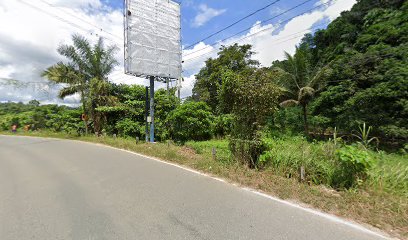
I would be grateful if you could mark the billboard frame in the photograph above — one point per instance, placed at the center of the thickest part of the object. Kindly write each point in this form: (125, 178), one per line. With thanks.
(149, 114)
(161, 79)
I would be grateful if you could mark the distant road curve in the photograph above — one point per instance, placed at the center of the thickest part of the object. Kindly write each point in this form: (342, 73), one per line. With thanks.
(58, 189)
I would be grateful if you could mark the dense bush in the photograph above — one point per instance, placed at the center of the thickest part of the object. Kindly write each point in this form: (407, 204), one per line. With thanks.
(368, 52)
(223, 125)
(52, 117)
(191, 121)
(246, 152)
(353, 165)
(128, 128)
(324, 162)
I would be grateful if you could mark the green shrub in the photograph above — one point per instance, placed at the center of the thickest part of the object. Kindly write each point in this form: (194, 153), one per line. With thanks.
(247, 152)
(190, 121)
(286, 120)
(353, 165)
(223, 125)
(128, 128)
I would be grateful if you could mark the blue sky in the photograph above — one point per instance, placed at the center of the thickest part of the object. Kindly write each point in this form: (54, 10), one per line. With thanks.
(228, 12)
(233, 10)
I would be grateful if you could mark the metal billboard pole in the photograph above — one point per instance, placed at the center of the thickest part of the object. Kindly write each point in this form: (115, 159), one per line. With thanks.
(147, 114)
(152, 109)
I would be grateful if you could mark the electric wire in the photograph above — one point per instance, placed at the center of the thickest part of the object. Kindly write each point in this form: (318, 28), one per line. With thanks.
(63, 20)
(81, 19)
(255, 25)
(235, 23)
(256, 33)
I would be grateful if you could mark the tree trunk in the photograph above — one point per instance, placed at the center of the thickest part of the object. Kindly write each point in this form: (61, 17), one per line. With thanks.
(95, 117)
(84, 110)
(306, 124)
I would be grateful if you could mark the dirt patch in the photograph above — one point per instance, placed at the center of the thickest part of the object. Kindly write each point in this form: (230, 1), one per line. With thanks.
(188, 152)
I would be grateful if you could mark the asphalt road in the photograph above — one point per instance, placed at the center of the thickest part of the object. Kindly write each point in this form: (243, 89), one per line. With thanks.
(55, 189)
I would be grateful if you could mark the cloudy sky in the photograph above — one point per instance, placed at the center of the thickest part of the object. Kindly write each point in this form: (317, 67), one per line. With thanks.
(31, 30)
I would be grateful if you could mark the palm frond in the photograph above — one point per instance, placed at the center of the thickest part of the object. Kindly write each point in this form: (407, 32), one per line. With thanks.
(289, 103)
(69, 90)
(84, 50)
(306, 94)
(318, 81)
(62, 73)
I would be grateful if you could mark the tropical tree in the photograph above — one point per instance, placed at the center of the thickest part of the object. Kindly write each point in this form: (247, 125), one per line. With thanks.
(300, 81)
(209, 81)
(255, 98)
(85, 73)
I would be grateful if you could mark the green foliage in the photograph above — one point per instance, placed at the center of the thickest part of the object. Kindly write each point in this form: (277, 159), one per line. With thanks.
(34, 103)
(85, 74)
(128, 128)
(165, 103)
(300, 81)
(247, 152)
(354, 164)
(285, 155)
(52, 117)
(191, 121)
(209, 81)
(389, 173)
(223, 154)
(368, 52)
(256, 98)
(130, 110)
(328, 163)
(287, 121)
(364, 136)
(223, 125)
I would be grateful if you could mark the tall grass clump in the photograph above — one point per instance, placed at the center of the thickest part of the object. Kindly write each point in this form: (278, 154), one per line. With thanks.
(330, 163)
(390, 174)
(287, 154)
(223, 154)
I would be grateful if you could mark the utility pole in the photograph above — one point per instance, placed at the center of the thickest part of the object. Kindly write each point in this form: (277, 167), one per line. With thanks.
(179, 87)
(168, 87)
(152, 109)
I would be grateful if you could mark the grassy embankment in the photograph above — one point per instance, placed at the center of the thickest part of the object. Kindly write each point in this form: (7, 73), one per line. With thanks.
(380, 201)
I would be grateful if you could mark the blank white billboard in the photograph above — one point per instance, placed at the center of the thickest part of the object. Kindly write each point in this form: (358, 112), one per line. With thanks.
(152, 38)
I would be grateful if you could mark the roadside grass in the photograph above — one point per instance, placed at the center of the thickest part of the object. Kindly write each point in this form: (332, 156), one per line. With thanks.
(381, 201)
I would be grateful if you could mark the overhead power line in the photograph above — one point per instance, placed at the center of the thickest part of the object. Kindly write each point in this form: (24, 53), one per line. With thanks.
(235, 23)
(72, 24)
(247, 29)
(260, 31)
(81, 19)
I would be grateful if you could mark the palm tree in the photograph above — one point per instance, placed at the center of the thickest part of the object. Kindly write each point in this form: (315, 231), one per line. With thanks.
(300, 82)
(88, 64)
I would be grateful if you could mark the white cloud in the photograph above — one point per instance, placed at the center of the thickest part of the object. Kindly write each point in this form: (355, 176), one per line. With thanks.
(188, 86)
(77, 3)
(269, 44)
(30, 33)
(205, 14)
